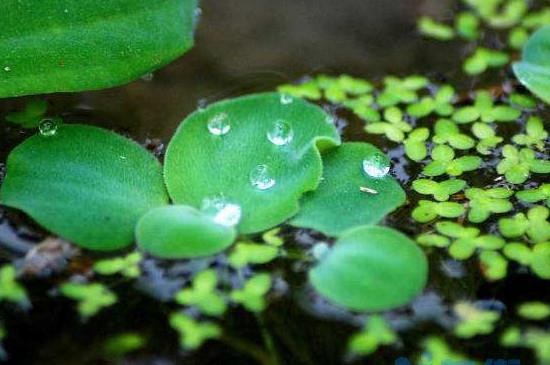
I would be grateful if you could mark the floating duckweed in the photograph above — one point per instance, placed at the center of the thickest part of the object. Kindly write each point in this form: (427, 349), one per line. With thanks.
(441, 191)
(375, 333)
(192, 333)
(485, 202)
(252, 295)
(91, 297)
(427, 210)
(219, 124)
(474, 321)
(534, 310)
(203, 294)
(518, 164)
(10, 289)
(535, 195)
(535, 134)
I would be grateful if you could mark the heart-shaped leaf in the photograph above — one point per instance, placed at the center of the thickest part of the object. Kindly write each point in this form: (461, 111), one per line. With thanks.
(356, 190)
(85, 184)
(81, 45)
(371, 268)
(260, 152)
(179, 231)
(533, 70)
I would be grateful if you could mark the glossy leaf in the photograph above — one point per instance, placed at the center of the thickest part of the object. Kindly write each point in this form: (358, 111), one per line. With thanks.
(348, 196)
(366, 267)
(180, 231)
(73, 46)
(85, 184)
(533, 70)
(225, 149)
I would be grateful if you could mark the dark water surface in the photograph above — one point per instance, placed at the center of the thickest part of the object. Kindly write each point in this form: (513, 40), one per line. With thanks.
(245, 46)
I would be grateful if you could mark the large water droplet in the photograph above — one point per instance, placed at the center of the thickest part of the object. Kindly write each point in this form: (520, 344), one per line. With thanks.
(219, 124)
(260, 178)
(376, 165)
(281, 133)
(48, 127)
(7, 68)
(286, 99)
(221, 211)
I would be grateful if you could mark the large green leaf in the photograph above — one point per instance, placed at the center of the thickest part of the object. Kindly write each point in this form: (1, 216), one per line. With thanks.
(348, 196)
(86, 184)
(534, 69)
(371, 268)
(179, 231)
(260, 152)
(64, 45)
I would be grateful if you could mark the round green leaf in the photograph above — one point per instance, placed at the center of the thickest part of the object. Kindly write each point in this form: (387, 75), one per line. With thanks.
(81, 45)
(348, 196)
(533, 70)
(85, 184)
(241, 163)
(179, 231)
(371, 268)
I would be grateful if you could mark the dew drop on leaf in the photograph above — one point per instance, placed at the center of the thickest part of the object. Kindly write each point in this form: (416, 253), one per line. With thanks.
(376, 165)
(48, 127)
(286, 99)
(260, 178)
(281, 133)
(219, 125)
(222, 212)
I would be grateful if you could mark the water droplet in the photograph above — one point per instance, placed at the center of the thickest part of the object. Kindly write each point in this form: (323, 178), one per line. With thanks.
(260, 178)
(148, 77)
(329, 119)
(218, 125)
(48, 127)
(7, 68)
(202, 103)
(281, 133)
(376, 165)
(222, 212)
(320, 250)
(286, 99)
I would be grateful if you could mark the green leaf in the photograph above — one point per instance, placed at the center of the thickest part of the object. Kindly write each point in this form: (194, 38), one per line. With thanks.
(474, 321)
(467, 25)
(179, 231)
(203, 294)
(10, 289)
(356, 190)
(128, 265)
(228, 149)
(534, 310)
(428, 210)
(31, 116)
(540, 262)
(74, 46)
(518, 164)
(375, 333)
(192, 333)
(533, 70)
(494, 265)
(91, 297)
(535, 225)
(415, 144)
(518, 252)
(85, 184)
(429, 27)
(365, 268)
(252, 295)
(535, 195)
(485, 202)
(247, 253)
(535, 134)
(440, 190)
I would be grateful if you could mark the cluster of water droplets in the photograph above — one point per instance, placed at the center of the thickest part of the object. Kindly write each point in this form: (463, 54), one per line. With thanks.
(48, 127)
(376, 166)
(221, 210)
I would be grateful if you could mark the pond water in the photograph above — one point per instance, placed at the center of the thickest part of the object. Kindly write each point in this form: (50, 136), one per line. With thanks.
(243, 47)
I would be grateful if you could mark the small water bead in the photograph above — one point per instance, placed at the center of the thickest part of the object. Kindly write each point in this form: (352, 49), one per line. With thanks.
(281, 133)
(376, 166)
(260, 178)
(7, 68)
(286, 99)
(48, 127)
(148, 77)
(222, 212)
(219, 125)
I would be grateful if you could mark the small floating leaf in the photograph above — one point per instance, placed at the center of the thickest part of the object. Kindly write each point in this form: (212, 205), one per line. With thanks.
(74, 46)
(86, 184)
(264, 179)
(366, 267)
(180, 231)
(339, 203)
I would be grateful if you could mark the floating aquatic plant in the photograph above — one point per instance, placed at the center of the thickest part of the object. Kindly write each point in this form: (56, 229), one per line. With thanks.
(484, 202)
(441, 191)
(375, 333)
(203, 294)
(444, 162)
(91, 297)
(517, 165)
